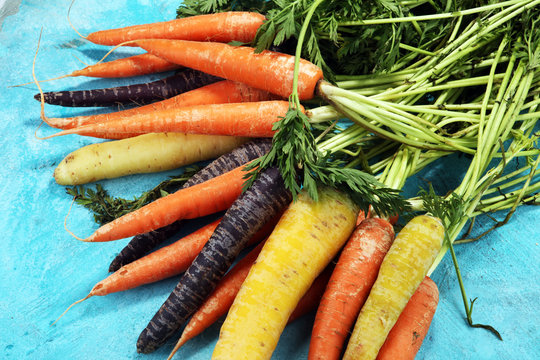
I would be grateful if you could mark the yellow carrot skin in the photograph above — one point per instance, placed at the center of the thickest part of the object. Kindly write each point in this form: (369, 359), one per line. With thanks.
(141, 154)
(305, 240)
(401, 272)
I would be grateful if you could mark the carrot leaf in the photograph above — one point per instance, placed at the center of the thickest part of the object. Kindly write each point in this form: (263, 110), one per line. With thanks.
(107, 208)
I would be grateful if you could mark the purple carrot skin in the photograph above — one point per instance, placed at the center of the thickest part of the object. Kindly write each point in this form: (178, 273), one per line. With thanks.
(141, 244)
(145, 93)
(221, 92)
(265, 198)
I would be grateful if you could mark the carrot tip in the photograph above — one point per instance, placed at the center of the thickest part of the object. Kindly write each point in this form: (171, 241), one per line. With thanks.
(180, 342)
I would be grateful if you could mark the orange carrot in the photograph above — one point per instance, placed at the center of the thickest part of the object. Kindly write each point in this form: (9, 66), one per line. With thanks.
(268, 70)
(209, 197)
(218, 93)
(163, 263)
(254, 119)
(168, 261)
(405, 338)
(349, 286)
(221, 299)
(219, 27)
(130, 66)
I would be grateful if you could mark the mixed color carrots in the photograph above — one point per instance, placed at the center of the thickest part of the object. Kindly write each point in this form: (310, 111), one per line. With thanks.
(330, 242)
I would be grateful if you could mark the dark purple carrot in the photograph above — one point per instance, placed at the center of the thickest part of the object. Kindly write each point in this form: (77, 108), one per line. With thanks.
(141, 244)
(263, 200)
(184, 80)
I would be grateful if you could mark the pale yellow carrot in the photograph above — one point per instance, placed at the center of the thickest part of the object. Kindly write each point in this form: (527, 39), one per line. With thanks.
(305, 240)
(141, 154)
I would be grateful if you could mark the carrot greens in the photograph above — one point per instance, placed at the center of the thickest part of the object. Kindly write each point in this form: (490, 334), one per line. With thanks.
(107, 208)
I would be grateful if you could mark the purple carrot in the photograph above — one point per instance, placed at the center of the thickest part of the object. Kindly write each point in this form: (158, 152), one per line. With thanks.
(140, 94)
(141, 244)
(262, 201)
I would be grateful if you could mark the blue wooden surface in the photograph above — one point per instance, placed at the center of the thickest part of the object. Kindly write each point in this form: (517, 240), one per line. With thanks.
(43, 269)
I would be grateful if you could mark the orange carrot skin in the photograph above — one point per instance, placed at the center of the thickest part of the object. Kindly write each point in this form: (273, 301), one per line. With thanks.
(161, 264)
(268, 70)
(136, 65)
(405, 338)
(254, 119)
(209, 197)
(349, 286)
(218, 27)
(218, 93)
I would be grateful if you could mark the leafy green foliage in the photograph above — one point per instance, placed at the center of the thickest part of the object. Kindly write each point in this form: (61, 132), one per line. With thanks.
(304, 167)
(449, 209)
(107, 208)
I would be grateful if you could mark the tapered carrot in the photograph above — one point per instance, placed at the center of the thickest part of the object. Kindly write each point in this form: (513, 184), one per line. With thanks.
(132, 94)
(219, 27)
(219, 302)
(268, 70)
(348, 288)
(209, 197)
(135, 65)
(218, 93)
(262, 201)
(254, 119)
(405, 338)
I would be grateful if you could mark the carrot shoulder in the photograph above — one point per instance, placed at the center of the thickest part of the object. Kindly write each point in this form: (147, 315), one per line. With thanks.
(405, 338)
(349, 286)
(219, 27)
(268, 70)
(209, 197)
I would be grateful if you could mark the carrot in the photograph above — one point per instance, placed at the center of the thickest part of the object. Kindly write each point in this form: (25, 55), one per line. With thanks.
(218, 303)
(348, 288)
(220, 27)
(306, 239)
(254, 119)
(209, 197)
(221, 299)
(401, 272)
(144, 93)
(218, 93)
(263, 200)
(146, 153)
(405, 338)
(143, 243)
(268, 70)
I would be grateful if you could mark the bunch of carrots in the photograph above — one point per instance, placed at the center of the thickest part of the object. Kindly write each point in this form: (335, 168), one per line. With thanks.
(370, 289)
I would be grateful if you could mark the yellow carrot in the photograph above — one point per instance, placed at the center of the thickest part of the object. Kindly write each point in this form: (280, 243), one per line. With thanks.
(141, 154)
(307, 237)
(401, 272)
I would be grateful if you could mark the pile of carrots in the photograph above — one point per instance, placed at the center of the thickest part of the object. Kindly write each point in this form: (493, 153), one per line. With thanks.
(305, 255)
